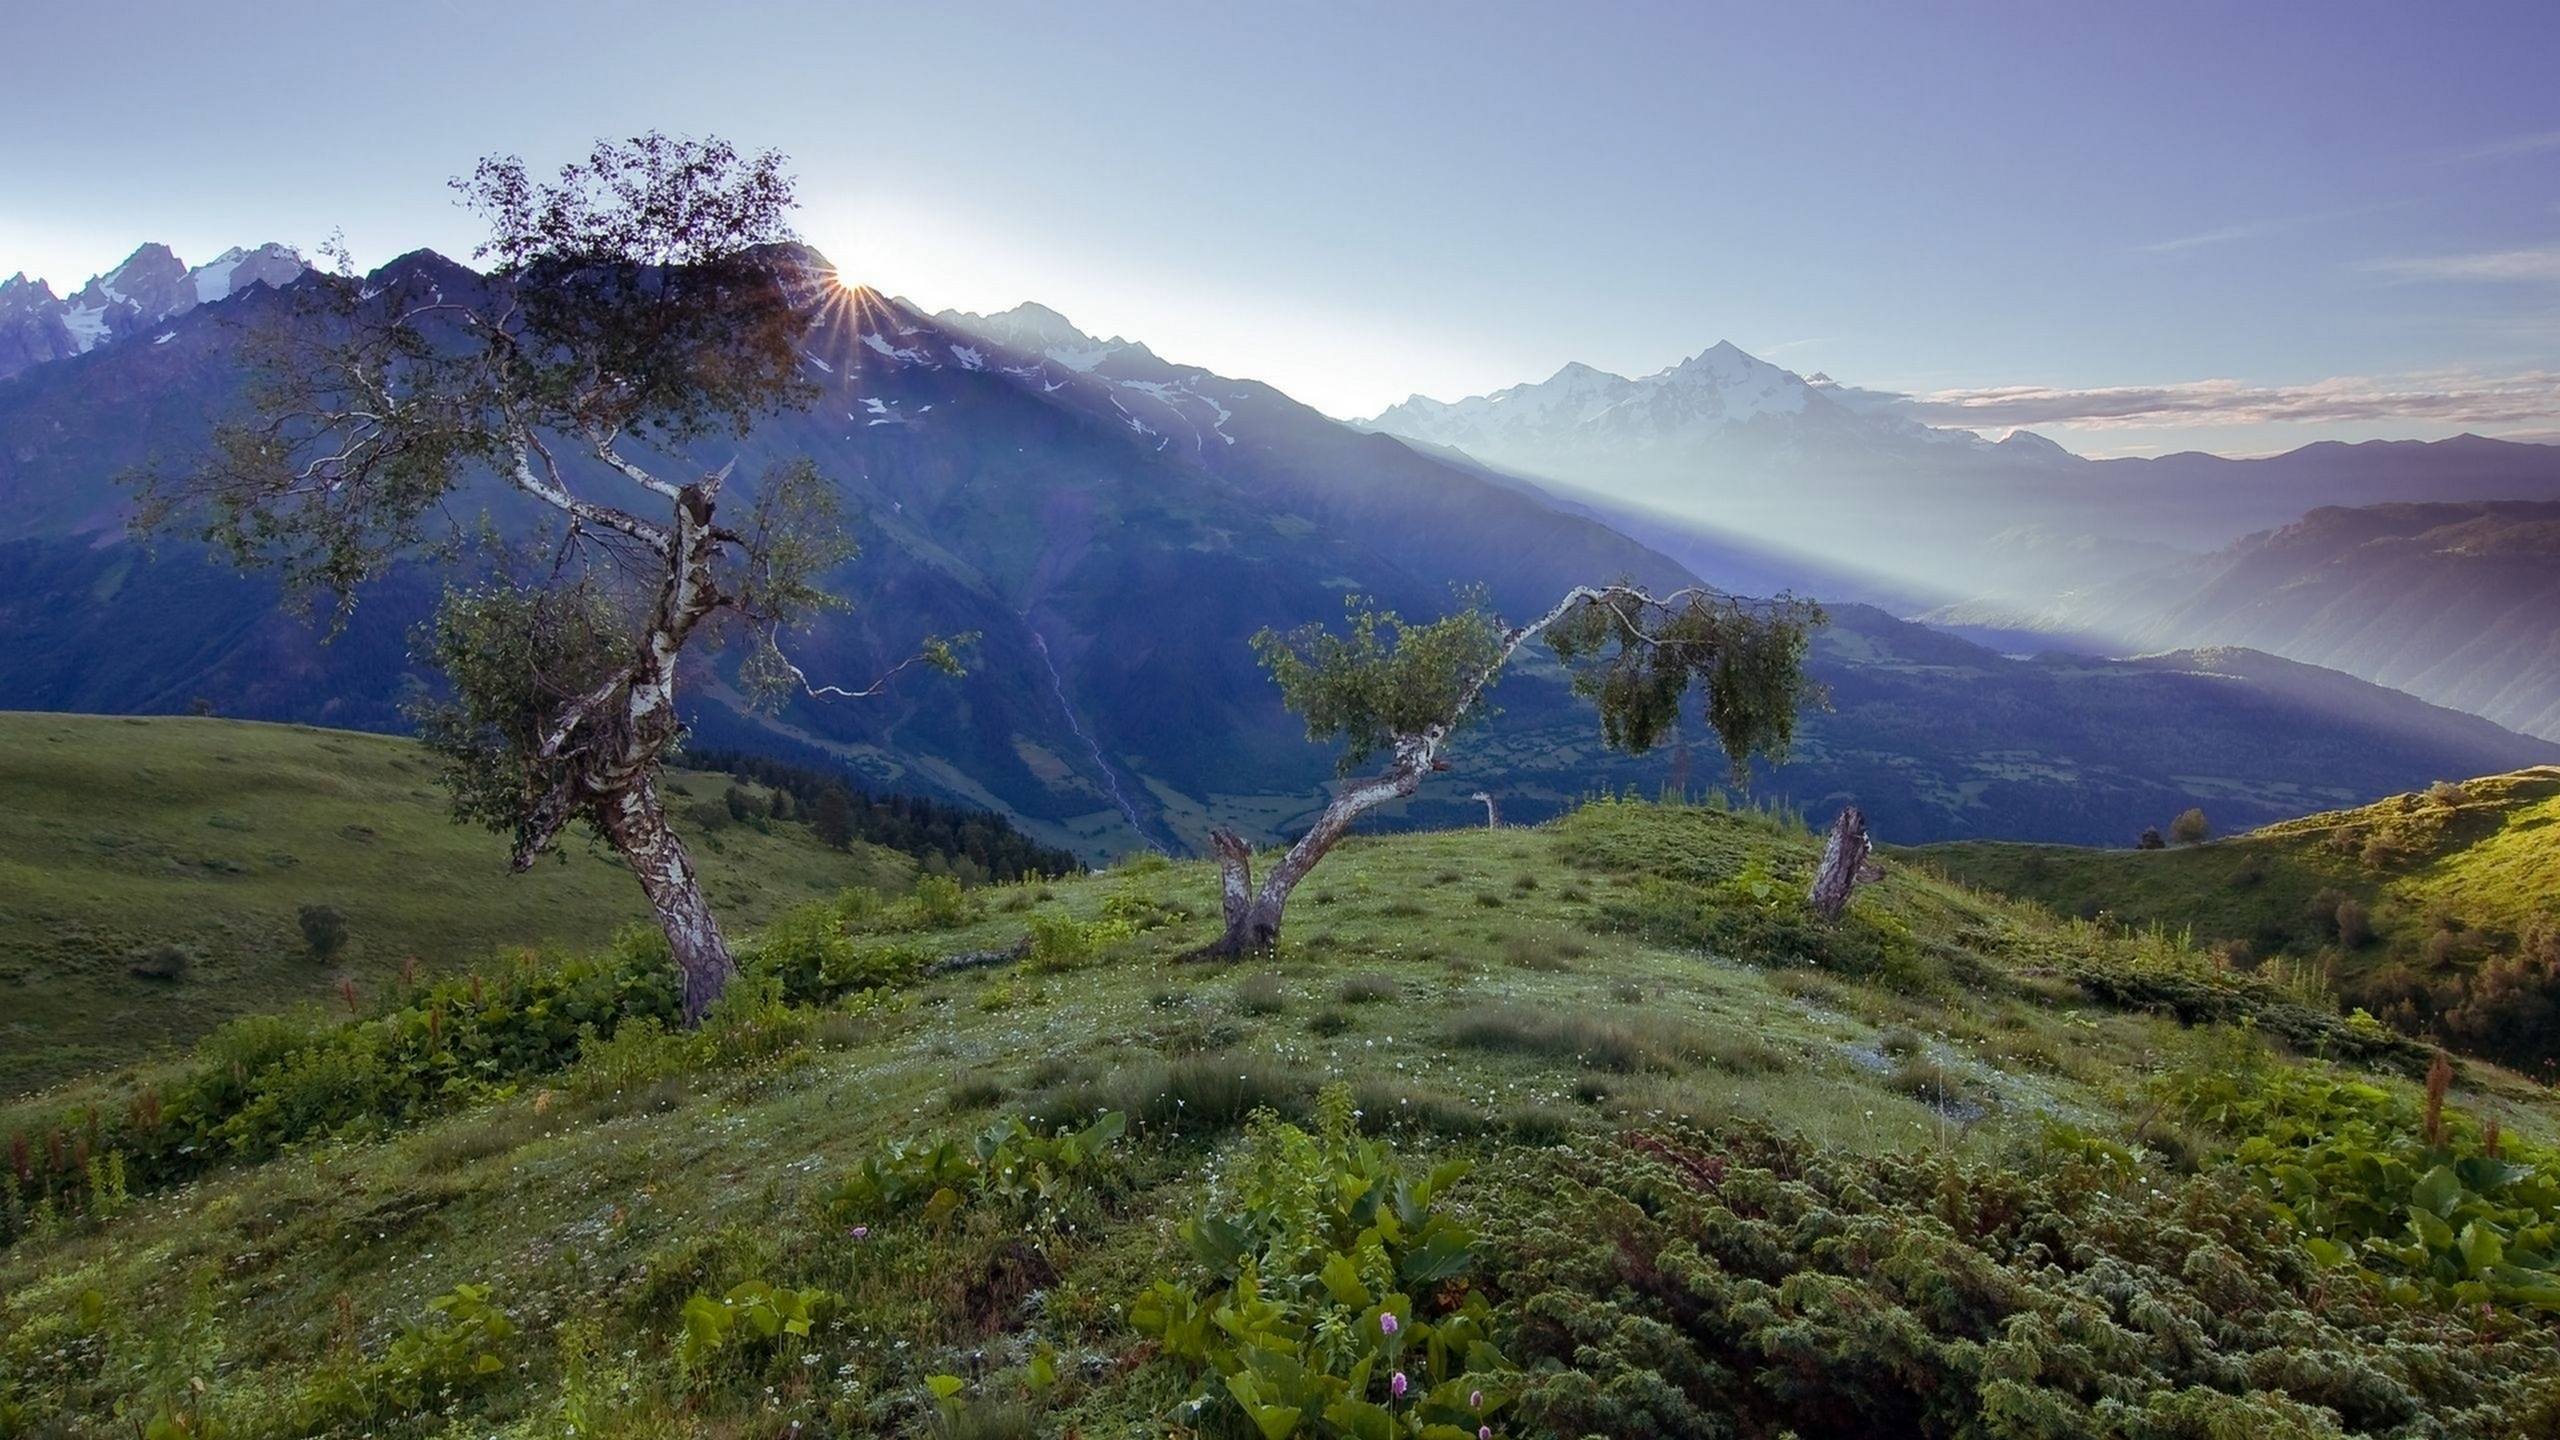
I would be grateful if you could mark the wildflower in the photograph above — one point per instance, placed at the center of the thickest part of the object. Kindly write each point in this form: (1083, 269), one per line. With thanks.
(1475, 1399)
(1387, 1322)
(1484, 1432)
(860, 1232)
(1397, 1386)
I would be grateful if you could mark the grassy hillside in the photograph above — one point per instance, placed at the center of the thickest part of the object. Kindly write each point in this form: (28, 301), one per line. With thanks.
(1952, 1168)
(123, 838)
(2443, 882)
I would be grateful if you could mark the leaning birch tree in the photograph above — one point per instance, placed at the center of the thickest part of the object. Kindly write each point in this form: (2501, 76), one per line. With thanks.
(639, 305)
(1405, 691)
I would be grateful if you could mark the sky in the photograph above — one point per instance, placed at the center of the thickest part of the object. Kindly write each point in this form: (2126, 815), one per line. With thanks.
(2135, 228)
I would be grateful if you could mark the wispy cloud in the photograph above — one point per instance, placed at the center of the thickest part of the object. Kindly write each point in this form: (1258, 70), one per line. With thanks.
(2512, 146)
(2451, 397)
(2223, 236)
(2259, 229)
(2532, 265)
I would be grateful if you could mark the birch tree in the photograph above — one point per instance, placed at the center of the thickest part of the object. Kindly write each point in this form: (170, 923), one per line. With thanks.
(638, 307)
(1389, 688)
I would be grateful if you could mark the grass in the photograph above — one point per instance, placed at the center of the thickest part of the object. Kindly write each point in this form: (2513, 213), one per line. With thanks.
(131, 842)
(595, 1212)
(2485, 852)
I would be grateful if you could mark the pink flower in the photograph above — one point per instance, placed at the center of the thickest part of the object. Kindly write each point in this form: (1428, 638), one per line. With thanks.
(1397, 1386)
(1484, 1432)
(1475, 1399)
(1387, 1322)
(860, 1232)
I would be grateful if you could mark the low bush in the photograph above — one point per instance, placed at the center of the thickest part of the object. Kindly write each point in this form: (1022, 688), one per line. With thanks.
(1745, 1284)
(1329, 1297)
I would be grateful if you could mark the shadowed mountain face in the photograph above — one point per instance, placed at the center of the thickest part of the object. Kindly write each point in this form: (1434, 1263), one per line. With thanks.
(2458, 604)
(1116, 527)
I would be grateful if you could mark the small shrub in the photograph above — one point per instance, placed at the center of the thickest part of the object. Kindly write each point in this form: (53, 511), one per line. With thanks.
(324, 931)
(974, 1092)
(2191, 827)
(1264, 994)
(1330, 1022)
(1369, 990)
(1532, 952)
(166, 963)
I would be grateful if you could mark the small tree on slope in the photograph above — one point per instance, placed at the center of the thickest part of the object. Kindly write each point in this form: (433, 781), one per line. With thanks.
(1405, 690)
(637, 305)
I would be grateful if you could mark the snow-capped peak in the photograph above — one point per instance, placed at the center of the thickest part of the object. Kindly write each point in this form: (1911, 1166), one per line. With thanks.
(152, 285)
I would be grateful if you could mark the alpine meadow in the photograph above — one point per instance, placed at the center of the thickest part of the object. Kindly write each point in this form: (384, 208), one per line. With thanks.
(612, 830)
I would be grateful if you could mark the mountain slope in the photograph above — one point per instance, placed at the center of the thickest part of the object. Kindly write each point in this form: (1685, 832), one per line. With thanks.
(121, 839)
(2459, 604)
(1666, 1162)
(2463, 876)
(1938, 738)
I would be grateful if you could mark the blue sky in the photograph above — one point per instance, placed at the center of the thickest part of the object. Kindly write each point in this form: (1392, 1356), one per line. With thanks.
(2137, 227)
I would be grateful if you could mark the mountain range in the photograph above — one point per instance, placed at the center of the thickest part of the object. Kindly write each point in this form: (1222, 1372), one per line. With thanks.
(1115, 526)
(1919, 515)
(2457, 603)
(151, 286)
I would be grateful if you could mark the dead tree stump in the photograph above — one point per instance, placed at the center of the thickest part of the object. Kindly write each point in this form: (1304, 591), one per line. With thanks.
(1847, 863)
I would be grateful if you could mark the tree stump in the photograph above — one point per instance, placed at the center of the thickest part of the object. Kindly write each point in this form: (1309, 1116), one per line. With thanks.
(1847, 863)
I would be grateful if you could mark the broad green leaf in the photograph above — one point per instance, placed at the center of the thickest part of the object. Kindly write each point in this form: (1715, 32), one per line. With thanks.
(1342, 1280)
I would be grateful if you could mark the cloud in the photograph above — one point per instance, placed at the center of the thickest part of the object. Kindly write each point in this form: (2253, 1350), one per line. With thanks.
(2451, 397)
(2513, 146)
(2535, 265)
(2261, 228)
(2222, 236)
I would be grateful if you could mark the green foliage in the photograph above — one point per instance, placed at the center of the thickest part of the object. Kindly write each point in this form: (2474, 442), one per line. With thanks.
(1386, 676)
(1637, 658)
(266, 1083)
(1332, 1298)
(509, 652)
(2191, 827)
(1062, 942)
(753, 1315)
(1027, 1174)
(324, 931)
(2456, 1219)
(939, 903)
(810, 952)
(1745, 1284)
(459, 1345)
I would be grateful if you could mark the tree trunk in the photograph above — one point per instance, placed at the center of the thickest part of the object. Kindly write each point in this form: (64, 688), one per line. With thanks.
(1845, 864)
(636, 824)
(1253, 916)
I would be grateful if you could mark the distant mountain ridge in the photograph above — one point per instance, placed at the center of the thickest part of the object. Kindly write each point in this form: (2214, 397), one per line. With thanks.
(1821, 468)
(151, 286)
(2456, 603)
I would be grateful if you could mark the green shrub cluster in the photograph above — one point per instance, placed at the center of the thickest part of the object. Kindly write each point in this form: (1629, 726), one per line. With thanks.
(1333, 1300)
(1741, 1284)
(1752, 917)
(459, 1345)
(263, 1083)
(752, 1315)
(1030, 1174)
(2428, 1206)
(2153, 974)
